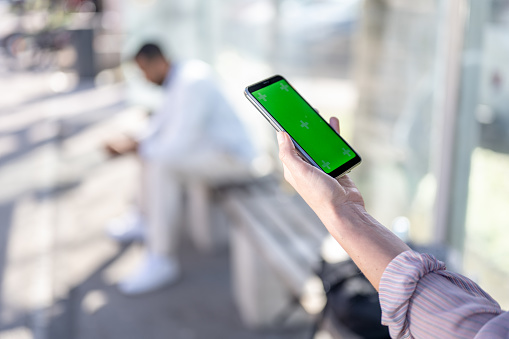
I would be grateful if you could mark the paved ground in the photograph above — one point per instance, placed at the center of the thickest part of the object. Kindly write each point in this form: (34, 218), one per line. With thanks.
(57, 191)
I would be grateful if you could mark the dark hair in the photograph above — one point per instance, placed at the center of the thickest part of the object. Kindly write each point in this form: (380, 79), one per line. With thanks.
(150, 51)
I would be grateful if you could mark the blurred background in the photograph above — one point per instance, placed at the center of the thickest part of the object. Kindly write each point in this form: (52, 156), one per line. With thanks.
(421, 89)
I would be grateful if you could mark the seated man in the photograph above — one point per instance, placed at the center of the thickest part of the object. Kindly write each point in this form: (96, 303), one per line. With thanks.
(194, 136)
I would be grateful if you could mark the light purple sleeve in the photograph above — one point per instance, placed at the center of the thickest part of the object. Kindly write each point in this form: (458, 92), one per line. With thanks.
(420, 299)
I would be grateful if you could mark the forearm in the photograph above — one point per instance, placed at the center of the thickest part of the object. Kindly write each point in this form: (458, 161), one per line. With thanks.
(370, 245)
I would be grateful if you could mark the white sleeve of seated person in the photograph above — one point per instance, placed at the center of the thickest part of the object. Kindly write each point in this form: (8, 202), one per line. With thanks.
(172, 143)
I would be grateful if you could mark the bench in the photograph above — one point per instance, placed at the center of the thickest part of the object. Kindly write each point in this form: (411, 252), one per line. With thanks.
(277, 245)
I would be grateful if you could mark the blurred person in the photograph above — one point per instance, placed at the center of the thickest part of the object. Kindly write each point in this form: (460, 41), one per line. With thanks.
(418, 296)
(194, 136)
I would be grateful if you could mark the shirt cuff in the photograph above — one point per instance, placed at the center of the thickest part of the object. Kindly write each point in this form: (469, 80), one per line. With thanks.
(397, 286)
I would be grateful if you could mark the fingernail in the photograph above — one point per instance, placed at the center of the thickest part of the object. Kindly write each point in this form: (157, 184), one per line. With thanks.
(280, 138)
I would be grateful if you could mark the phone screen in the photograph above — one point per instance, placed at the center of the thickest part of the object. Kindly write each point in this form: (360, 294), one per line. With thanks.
(305, 126)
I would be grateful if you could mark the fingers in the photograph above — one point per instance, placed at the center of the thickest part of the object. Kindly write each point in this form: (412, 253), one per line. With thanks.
(287, 152)
(334, 122)
(345, 181)
(288, 175)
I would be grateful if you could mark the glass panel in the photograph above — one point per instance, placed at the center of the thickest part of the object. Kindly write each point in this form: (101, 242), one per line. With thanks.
(372, 63)
(486, 251)
(396, 55)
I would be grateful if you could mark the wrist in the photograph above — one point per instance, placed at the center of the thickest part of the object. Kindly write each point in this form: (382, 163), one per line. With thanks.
(356, 230)
(349, 221)
(337, 217)
(349, 213)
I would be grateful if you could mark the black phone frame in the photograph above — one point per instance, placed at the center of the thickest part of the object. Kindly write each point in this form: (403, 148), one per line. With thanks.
(341, 170)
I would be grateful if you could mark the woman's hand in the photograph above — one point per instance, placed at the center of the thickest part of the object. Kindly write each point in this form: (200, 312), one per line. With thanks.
(120, 146)
(318, 189)
(340, 206)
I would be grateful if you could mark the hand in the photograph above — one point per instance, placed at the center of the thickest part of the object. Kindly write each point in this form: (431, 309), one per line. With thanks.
(121, 146)
(318, 189)
(340, 206)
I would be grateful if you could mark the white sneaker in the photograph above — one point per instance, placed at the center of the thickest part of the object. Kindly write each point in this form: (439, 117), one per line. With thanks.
(127, 228)
(154, 273)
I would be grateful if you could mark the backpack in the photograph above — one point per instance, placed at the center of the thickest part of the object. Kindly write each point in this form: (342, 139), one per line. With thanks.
(352, 302)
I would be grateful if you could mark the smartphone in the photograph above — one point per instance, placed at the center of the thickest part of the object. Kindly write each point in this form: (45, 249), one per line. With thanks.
(286, 110)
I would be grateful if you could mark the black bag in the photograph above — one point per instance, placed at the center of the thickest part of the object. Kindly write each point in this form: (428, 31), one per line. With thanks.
(352, 301)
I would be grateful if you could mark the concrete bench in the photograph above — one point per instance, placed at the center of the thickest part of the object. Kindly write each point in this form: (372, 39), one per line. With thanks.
(276, 249)
(205, 232)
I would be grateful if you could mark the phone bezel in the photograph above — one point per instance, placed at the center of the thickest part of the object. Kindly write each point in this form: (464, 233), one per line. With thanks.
(338, 172)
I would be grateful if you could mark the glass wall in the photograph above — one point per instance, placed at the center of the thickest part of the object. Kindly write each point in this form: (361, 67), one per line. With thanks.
(419, 87)
(395, 66)
(371, 63)
(309, 42)
(487, 233)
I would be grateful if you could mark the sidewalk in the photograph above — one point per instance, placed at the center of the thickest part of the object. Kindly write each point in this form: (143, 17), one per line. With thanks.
(59, 271)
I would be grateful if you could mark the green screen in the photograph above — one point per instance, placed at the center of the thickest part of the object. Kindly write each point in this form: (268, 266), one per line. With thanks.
(308, 129)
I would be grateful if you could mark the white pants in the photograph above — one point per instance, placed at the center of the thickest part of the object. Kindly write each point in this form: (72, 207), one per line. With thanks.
(163, 189)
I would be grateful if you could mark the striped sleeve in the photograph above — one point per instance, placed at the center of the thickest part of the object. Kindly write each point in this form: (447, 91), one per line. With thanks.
(420, 299)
